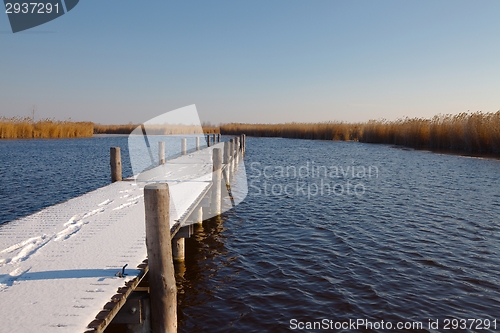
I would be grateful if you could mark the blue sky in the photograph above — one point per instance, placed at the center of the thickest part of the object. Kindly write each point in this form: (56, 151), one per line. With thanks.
(120, 61)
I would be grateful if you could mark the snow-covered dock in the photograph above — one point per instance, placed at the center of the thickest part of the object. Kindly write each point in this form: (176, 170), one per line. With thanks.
(61, 266)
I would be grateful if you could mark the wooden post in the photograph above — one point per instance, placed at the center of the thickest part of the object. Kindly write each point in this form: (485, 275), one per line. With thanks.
(183, 146)
(238, 144)
(227, 159)
(161, 152)
(237, 150)
(231, 149)
(115, 160)
(197, 219)
(208, 140)
(218, 137)
(198, 215)
(227, 152)
(197, 143)
(216, 200)
(231, 161)
(178, 249)
(161, 267)
(215, 141)
(244, 143)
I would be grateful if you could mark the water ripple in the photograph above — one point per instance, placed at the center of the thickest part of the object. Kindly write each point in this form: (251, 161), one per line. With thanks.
(422, 242)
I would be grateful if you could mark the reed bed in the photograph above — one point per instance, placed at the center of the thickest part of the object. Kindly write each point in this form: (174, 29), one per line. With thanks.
(318, 131)
(114, 129)
(476, 132)
(26, 128)
(155, 129)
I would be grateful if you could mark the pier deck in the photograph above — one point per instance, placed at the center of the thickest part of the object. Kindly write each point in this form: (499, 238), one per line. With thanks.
(60, 266)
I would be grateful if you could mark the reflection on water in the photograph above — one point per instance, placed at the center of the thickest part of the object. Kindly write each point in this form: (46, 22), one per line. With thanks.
(205, 255)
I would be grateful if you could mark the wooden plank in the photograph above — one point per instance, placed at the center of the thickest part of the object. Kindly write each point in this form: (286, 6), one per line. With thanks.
(117, 301)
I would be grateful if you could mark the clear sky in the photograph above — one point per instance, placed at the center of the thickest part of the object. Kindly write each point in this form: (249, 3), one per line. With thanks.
(120, 61)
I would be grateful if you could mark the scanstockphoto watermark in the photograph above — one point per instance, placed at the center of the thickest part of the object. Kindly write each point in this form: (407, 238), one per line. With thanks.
(356, 324)
(311, 179)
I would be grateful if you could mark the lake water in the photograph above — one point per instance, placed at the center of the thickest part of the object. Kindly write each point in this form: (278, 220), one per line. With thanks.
(40, 173)
(330, 234)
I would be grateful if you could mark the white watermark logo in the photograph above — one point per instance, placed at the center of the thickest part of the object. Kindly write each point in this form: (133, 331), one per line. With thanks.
(354, 324)
(311, 179)
(172, 148)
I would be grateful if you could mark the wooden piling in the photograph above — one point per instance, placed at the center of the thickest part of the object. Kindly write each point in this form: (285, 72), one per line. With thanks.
(160, 261)
(161, 152)
(198, 215)
(227, 158)
(216, 200)
(197, 143)
(237, 150)
(214, 138)
(183, 146)
(231, 161)
(208, 140)
(227, 152)
(242, 143)
(115, 160)
(178, 249)
(218, 137)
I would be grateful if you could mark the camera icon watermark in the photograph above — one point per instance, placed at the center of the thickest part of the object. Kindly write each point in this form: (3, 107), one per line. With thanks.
(173, 148)
(26, 14)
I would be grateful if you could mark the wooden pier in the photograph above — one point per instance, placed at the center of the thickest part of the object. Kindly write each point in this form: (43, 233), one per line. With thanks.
(104, 261)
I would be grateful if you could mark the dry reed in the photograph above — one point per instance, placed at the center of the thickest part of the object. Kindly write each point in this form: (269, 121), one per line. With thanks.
(476, 132)
(466, 132)
(114, 129)
(155, 129)
(318, 131)
(26, 128)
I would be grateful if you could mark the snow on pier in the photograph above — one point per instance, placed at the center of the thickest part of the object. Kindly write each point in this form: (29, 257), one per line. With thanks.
(60, 266)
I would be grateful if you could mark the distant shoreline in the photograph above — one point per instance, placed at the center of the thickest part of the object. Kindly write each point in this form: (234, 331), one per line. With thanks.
(27, 128)
(469, 133)
(473, 134)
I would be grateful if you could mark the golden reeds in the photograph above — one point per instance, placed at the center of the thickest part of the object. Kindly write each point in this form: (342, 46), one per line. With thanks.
(114, 129)
(467, 132)
(155, 129)
(476, 132)
(318, 131)
(25, 128)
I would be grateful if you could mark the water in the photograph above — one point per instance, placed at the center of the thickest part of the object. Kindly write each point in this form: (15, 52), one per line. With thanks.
(422, 242)
(409, 237)
(40, 173)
